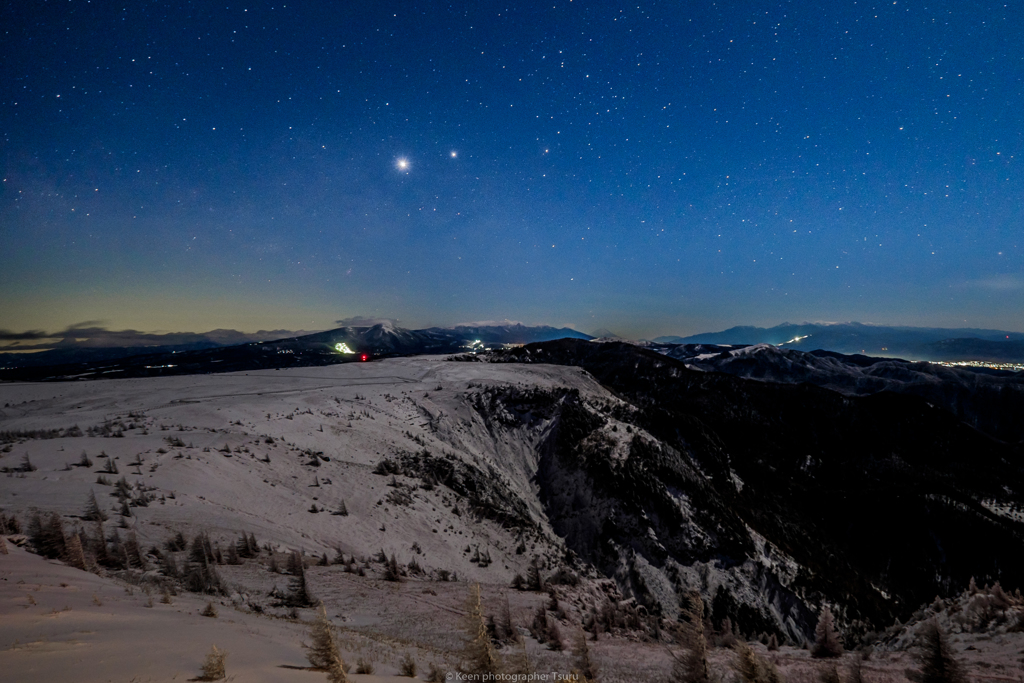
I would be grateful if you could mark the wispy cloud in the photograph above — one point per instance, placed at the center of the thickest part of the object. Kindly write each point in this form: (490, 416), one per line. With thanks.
(362, 321)
(999, 283)
(490, 323)
(31, 335)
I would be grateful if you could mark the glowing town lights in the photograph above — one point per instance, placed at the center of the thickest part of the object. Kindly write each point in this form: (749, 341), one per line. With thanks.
(342, 348)
(794, 340)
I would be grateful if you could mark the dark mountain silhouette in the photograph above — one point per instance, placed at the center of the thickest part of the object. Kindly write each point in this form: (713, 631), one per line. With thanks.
(918, 343)
(321, 348)
(989, 400)
(83, 344)
(514, 333)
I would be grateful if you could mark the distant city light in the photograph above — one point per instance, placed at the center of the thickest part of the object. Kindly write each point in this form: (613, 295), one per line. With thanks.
(342, 348)
(994, 365)
(794, 340)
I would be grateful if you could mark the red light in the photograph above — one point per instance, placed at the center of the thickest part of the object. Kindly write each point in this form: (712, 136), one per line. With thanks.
(364, 357)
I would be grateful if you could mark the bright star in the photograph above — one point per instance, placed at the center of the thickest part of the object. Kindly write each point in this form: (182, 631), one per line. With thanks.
(454, 154)
(402, 164)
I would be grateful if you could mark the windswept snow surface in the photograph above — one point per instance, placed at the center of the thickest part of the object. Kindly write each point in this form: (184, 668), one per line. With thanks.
(248, 441)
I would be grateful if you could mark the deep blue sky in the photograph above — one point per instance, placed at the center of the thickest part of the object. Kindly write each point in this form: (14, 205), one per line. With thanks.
(649, 167)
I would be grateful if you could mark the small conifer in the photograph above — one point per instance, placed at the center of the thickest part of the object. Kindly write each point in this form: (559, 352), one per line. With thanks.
(692, 665)
(407, 667)
(826, 642)
(391, 570)
(298, 590)
(534, 582)
(936, 658)
(75, 554)
(752, 668)
(99, 546)
(93, 512)
(322, 652)
(480, 657)
(583, 664)
(213, 666)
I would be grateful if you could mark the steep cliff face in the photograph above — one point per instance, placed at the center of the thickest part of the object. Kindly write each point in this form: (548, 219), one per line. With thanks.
(784, 495)
(622, 503)
(642, 512)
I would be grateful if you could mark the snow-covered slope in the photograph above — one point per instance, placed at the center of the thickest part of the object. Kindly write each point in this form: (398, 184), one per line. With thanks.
(489, 467)
(660, 478)
(236, 452)
(439, 462)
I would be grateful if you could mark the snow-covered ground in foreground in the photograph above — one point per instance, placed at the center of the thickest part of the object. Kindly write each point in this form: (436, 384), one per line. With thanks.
(58, 624)
(232, 453)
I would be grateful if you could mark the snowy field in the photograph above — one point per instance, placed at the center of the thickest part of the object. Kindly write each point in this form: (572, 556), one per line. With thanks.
(247, 439)
(257, 453)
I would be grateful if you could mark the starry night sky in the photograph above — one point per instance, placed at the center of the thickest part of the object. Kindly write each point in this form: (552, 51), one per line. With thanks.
(649, 167)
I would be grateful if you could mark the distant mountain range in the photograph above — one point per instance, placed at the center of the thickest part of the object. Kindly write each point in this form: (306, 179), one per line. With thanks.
(989, 400)
(94, 351)
(84, 344)
(340, 345)
(915, 343)
(508, 333)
